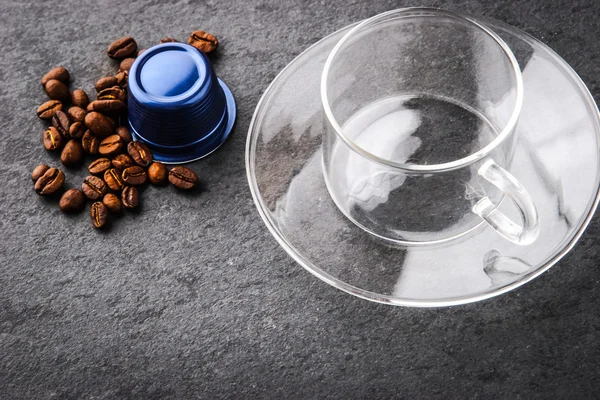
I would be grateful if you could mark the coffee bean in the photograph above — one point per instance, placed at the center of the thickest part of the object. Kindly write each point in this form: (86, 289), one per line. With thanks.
(57, 90)
(140, 153)
(134, 176)
(58, 73)
(122, 161)
(113, 179)
(141, 51)
(122, 48)
(123, 132)
(49, 108)
(72, 154)
(122, 79)
(205, 42)
(157, 173)
(52, 139)
(114, 121)
(112, 93)
(50, 182)
(130, 197)
(60, 120)
(72, 201)
(112, 107)
(106, 82)
(76, 130)
(90, 143)
(100, 125)
(77, 114)
(99, 166)
(99, 214)
(126, 64)
(39, 171)
(94, 187)
(183, 178)
(110, 146)
(79, 98)
(168, 40)
(112, 203)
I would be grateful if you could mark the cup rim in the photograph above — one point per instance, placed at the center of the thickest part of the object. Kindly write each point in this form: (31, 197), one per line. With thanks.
(429, 168)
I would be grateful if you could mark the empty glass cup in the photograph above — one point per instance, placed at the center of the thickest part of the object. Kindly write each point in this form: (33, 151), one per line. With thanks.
(420, 108)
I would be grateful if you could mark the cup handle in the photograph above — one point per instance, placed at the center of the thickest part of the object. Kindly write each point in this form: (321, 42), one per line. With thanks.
(511, 231)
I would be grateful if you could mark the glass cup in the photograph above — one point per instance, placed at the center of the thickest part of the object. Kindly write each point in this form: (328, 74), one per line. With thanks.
(420, 111)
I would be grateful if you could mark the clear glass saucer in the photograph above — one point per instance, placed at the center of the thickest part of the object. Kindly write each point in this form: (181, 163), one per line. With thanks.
(557, 159)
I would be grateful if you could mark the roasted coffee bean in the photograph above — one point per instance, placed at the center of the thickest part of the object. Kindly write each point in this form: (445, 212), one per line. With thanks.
(141, 51)
(58, 73)
(76, 130)
(52, 139)
(72, 201)
(113, 179)
(79, 98)
(60, 120)
(90, 143)
(112, 93)
(123, 132)
(39, 171)
(140, 153)
(112, 203)
(57, 90)
(111, 146)
(99, 214)
(168, 40)
(122, 161)
(205, 42)
(106, 82)
(126, 64)
(134, 176)
(122, 48)
(94, 187)
(130, 197)
(157, 173)
(99, 166)
(72, 154)
(112, 107)
(183, 178)
(122, 79)
(114, 121)
(77, 114)
(100, 125)
(49, 108)
(50, 182)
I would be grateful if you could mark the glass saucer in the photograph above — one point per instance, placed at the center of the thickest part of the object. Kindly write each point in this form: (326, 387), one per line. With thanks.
(556, 159)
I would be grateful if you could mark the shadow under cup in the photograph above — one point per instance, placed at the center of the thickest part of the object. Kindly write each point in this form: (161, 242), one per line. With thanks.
(419, 104)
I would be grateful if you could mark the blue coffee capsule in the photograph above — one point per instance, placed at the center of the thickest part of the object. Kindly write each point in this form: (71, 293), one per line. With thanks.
(177, 105)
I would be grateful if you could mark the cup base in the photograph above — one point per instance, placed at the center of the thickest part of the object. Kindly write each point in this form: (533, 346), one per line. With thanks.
(397, 241)
(401, 208)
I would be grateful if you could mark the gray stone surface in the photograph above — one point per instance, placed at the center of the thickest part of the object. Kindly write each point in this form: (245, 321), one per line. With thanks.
(192, 298)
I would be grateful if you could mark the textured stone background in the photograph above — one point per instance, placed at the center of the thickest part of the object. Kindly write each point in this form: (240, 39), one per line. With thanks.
(192, 298)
